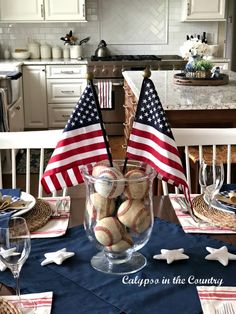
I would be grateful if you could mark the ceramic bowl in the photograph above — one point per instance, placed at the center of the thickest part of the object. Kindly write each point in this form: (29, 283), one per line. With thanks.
(21, 55)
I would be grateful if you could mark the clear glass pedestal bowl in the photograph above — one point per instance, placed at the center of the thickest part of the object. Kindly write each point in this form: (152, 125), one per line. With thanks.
(119, 214)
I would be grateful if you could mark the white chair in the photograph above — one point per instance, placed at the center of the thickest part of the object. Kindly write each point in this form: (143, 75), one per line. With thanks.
(200, 138)
(15, 141)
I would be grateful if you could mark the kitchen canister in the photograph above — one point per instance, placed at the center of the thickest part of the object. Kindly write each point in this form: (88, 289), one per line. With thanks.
(34, 50)
(66, 52)
(75, 51)
(56, 52)
(45, 51)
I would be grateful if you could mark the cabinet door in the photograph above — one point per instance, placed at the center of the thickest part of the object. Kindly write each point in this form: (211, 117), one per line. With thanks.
(35, 101)
(19, 10)
(201, 10)
(65, 10)
(16, 116)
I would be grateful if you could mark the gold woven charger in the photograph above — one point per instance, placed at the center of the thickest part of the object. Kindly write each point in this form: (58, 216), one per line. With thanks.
(38, 216)
(7, 307)
(212, 215)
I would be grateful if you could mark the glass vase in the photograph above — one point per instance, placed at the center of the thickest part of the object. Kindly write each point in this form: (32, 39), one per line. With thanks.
(119, 214)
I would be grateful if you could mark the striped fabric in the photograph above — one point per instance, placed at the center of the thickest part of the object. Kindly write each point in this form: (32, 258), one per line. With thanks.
(105, 94)
(191, 226)
(42, 301)
(215, 296)
(152, 140)
(81, 143)
(58, 222)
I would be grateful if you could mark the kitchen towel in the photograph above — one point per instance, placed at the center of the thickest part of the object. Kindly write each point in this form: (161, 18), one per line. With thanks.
(191, 226)
(105, 94)
(58, 222)
(43, 301)
(214, 297)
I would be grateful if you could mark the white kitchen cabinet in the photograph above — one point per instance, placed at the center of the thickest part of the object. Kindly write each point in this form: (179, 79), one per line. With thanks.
(60, 10)
(42, 10)
(21, 10)
(35, 100)
(202, 10)
(16, 116)
(65, 84)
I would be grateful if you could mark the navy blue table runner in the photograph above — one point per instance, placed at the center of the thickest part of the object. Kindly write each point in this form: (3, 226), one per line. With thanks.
(78, 288)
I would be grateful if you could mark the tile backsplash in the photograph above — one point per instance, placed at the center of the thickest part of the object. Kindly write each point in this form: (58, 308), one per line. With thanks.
(161, 32)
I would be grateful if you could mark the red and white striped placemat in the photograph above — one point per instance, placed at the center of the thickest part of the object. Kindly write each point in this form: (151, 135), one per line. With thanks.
(213, 297)
(42, 301)
(191, 226)
(57, 224)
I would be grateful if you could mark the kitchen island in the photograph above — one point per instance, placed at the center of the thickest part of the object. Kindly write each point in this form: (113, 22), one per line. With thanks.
(186, 106)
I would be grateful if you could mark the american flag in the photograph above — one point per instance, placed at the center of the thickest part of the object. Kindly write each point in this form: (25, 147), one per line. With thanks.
(152, 141)
(82, 143)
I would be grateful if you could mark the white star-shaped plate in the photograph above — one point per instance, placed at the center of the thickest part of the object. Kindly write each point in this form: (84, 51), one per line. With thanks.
(57, 257)
(222, 255)
(171, 255)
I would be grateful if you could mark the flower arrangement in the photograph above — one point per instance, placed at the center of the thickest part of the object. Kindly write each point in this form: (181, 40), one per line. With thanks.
(194, 51)
(194, 48)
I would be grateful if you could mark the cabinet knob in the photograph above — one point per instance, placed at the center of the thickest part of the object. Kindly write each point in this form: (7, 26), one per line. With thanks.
(18, 107)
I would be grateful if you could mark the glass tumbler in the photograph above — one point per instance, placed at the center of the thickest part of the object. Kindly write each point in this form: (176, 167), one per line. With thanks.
(119, 214)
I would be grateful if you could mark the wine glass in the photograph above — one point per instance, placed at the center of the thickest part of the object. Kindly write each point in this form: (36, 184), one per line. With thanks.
(211, 178)
(14, 250)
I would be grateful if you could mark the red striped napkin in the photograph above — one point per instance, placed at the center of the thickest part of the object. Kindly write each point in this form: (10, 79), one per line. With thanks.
(187, 222)
(212, 297)
(105, 94)
(43, 301)
(57, 225)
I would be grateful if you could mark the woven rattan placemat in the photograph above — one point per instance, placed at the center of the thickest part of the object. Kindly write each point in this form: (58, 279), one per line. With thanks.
(38, 216)
(7, 308)
(212, 215)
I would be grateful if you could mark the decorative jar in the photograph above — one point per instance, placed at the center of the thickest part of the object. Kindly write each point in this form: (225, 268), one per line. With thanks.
(119, 214)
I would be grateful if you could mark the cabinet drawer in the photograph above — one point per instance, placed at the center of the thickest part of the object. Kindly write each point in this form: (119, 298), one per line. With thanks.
(58, 115)
(65, 71)
(64, 91)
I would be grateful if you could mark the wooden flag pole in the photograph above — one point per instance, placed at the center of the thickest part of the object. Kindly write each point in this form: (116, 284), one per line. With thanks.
(146, 74)
(89, 77)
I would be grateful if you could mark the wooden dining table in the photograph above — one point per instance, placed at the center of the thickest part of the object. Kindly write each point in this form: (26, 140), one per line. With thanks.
(162, 209)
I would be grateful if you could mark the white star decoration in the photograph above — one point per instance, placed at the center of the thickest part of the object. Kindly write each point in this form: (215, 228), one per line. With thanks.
(57, 257)
(171, 255)
(222, 255)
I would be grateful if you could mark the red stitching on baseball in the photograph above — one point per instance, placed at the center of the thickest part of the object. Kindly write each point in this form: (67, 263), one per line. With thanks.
(114, 176)
(129, 203)
(119, 226)
(137, 216)
(108, 233)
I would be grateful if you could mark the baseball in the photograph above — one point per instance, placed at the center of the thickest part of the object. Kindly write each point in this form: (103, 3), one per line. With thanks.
(137, 187)
(109, 183)
(124, 244)
(134, 215)
(101, 165)
(99, 207)
(108, 231)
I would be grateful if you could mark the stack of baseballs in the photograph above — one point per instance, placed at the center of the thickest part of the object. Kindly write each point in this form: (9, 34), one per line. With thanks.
(114, 226)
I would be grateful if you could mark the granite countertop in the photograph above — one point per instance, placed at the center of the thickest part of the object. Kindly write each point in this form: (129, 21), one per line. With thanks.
(176, 97)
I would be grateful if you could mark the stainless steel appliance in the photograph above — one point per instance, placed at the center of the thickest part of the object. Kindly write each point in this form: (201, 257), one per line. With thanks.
(111, 68)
